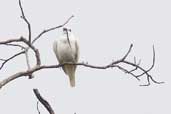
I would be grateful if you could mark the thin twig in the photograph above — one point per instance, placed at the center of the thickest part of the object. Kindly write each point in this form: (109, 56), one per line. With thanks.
(26, 20)
(43, 101)
(128, 72)
(50, 29)
(151, 65)
(10, 58)
(138, 64)
(38, 107)
(127, 52)
(124, 57)
(2, 60)
(16, 45)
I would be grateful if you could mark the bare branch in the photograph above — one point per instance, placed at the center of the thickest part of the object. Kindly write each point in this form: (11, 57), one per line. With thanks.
(138, 64)
(15, 76)
(28, 63)
(43, 101)
(151, 65)
(22, 39)
(128, 72)
(12, 57)
(26, 20)
(2, 60)
(38, 107)
(16, 45)
(114, 64)
(29, 42)
(127, 52)
(36, 51)
(38, 66)
(145, 72)
(10, 41)
(50, 29)
(124, 57)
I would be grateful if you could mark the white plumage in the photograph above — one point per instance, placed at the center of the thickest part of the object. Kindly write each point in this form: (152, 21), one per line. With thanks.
(66, 49)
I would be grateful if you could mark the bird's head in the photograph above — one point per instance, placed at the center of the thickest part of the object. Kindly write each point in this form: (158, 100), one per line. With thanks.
(66, 30)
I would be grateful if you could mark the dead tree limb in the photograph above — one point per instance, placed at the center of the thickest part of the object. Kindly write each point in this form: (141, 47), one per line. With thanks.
(43, 101)
(29, 45)
(114, 64)
(50, 29)
(26, 20)
(10, 58)
(38, 107)
(38, 66)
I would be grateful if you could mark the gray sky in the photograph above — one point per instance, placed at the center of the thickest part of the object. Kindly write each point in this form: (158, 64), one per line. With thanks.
(105, 29)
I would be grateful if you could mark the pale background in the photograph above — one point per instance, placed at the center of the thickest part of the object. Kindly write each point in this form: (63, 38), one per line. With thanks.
(105, 29)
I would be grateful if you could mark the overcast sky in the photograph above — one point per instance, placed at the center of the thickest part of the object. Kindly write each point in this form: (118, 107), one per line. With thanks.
(105, 29)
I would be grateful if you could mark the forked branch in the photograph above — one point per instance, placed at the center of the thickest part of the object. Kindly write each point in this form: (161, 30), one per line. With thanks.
(28, 41)
(38, 66)
(4, 61)
(114, 64)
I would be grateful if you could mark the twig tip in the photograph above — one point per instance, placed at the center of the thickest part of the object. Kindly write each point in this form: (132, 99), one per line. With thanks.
(131, 45)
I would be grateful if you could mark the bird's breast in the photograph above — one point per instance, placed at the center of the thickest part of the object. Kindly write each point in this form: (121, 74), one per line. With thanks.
(65, 51)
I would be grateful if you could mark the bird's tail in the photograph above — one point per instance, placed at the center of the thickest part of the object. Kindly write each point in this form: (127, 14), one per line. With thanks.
(70, 71)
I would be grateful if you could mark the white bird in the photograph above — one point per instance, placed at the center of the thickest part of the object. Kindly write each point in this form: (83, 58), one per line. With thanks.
(66, 49)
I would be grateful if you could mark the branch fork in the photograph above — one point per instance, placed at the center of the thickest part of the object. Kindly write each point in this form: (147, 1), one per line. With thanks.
(38, 66)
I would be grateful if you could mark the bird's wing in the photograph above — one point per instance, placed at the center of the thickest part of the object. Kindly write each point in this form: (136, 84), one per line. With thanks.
(55, 44)
(55, 49)
(76, 51)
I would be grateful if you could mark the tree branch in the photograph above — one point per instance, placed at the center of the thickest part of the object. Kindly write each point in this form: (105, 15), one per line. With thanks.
(26, 20)
(28, 63)
(10, 41)
(43, 101)
(114, 64)
(22, 39)
(36, 51)
(38, 107)
(38, 66)
(151, 65)
(50, 29)
(16, 45)
(12, 57)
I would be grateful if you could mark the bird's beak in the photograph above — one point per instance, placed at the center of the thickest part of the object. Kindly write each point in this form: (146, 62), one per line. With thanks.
(66, 30)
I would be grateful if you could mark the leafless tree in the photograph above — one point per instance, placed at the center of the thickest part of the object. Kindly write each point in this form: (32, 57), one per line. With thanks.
(29, 42)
